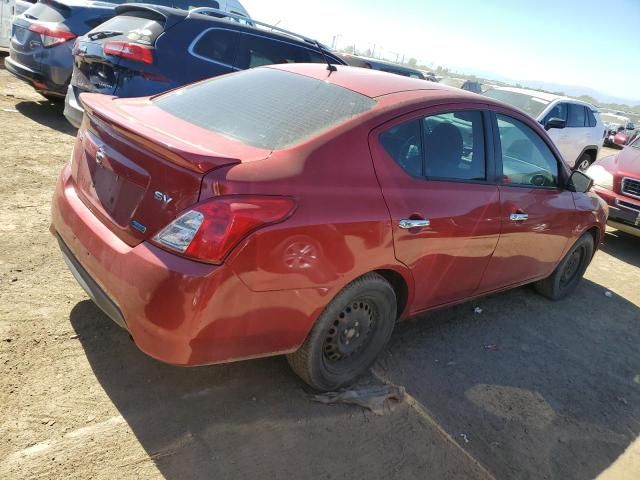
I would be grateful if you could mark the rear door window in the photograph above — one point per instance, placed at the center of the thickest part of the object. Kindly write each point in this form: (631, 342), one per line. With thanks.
(189, 4)
(591, 118)
(217, 45)
(577, 116)
(258, 50)
(446, 146)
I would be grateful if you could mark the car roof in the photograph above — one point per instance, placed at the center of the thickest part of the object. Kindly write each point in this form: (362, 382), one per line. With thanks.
(374, 83)
(550, 97)
(178, 14)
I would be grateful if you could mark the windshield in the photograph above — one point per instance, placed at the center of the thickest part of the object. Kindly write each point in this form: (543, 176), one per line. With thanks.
(265, 107)
(527, 103)
(612, 120)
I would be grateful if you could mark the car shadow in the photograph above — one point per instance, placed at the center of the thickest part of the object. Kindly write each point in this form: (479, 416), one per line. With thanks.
(622, 246)
(250, 419)
(531, 388)
(47, 113)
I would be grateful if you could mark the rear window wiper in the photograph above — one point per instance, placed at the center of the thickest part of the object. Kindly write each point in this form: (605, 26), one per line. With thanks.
(105, 34)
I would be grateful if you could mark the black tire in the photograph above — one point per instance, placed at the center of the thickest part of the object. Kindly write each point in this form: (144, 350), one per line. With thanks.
(585, 160)
(569, 272)
(348, 335)
(52, 98)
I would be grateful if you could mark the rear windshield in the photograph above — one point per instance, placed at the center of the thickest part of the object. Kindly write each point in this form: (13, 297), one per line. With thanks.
(141, 27)
(527, 103)
(264, 107)
(48, 12)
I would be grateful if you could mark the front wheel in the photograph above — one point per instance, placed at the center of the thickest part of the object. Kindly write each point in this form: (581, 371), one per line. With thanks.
(348, 335)
(569, 272)
(584, 162)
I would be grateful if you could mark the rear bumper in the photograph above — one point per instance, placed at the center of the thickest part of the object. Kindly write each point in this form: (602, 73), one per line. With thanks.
(624, 212)
(35, 78)
(178, 311)
(73, 110)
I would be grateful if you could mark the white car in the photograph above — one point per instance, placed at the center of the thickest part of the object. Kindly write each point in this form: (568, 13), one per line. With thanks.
(576, 128)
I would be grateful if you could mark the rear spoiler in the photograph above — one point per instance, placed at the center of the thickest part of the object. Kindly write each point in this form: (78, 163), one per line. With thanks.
(169, 16)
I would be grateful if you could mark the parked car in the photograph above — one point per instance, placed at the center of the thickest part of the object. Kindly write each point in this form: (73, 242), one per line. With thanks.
(617, 180)
(383, 66)
(7, 9)
(574, 126)
(468, 85)
(296, 210)
(42, 38)
(619, 129)
(178, 49)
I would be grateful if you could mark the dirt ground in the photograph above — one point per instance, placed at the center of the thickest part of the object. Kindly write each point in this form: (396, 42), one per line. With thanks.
(557, 397)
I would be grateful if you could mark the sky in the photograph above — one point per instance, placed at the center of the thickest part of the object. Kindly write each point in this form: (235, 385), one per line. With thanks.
(589, 43)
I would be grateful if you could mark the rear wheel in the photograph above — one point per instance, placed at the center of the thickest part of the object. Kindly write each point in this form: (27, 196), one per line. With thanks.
(52, 98)
(569, 272)
(348, 335)
(584, 161)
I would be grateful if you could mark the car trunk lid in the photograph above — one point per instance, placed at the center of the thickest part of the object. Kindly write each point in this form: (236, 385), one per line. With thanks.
(137, 167)
(97, 55)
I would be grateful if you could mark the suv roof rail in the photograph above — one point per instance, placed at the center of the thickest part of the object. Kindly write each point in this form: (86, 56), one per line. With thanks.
(252, 22)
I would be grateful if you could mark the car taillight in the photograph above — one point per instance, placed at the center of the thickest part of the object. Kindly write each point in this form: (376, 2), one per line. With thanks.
(132, 51)
(51, 36)
(208, 231)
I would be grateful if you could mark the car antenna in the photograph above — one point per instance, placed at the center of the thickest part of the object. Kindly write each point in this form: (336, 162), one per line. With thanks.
(331, 68)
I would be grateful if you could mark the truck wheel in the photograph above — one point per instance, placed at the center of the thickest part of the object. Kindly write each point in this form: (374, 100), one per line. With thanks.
(569, 272)
(348, 335)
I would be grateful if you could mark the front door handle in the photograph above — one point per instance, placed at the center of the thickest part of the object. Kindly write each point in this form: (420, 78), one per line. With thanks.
(409, 223)
(518, 217)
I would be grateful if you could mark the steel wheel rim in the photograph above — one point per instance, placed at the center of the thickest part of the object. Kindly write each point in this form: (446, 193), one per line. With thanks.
(572, 267)
(350, 333)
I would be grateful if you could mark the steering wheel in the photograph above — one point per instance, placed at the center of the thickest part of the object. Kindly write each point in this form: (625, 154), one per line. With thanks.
(539, 180)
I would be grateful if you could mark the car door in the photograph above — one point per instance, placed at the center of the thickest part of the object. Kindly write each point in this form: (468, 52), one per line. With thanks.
(578, 130)
(434, 171)
(537, 213)
(560, 136)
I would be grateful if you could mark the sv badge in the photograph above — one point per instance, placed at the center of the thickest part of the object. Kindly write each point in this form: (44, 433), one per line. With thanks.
(162, 197)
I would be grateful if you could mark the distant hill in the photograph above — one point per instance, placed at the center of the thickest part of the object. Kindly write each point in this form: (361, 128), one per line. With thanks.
(576, 91)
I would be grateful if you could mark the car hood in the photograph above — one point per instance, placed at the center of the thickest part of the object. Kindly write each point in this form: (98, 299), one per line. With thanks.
(624, 163)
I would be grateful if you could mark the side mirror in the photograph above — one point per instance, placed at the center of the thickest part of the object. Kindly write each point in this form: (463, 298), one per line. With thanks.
(580, 182)
(555, 122)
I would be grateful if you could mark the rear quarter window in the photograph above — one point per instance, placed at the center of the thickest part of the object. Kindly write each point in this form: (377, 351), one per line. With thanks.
(217, 45)
(258, 50)
(265, 108)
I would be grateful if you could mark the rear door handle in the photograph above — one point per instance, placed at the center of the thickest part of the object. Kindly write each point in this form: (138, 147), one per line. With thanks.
(408, 223)
(518, 217)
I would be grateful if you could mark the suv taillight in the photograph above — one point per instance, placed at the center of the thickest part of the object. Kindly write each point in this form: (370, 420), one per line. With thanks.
(51, 37)
(208, 231)
(132, 51)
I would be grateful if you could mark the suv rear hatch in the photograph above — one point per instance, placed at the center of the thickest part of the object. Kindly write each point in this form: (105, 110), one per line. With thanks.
(127, 39)
(28, 47)
(137, 167)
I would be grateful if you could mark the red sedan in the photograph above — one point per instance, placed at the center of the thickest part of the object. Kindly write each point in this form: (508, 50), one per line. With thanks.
(617, 181)
(294, 210)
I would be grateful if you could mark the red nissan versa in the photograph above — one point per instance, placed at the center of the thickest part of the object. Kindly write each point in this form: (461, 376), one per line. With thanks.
(291, 210)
